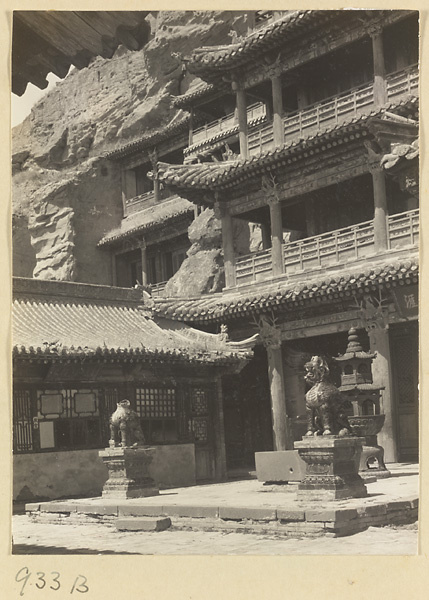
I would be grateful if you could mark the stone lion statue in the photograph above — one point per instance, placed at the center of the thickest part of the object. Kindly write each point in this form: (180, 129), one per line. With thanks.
(324, 403)
(126, 422)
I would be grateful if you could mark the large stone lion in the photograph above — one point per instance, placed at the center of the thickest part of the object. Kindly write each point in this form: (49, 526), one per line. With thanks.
(324, 403)
(126, 422)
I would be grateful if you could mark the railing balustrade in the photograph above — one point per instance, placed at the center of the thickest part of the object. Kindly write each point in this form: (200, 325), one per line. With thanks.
(157, 289)
(330, 248)
(333, 110)
(230, 121)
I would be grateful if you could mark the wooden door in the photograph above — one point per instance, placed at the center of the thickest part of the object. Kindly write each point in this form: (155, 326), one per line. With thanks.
(404, 353)
(201, 418)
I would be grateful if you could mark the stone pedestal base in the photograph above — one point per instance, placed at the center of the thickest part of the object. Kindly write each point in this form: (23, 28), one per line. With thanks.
(332, 468)
(128, 473)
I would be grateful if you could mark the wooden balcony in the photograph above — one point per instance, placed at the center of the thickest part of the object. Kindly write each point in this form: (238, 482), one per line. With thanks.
(333, 111)
(224, 126)
(329, 249)
(142, 201)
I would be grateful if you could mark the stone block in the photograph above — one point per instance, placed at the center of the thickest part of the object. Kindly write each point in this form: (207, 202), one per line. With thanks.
(284, 465)
(97, 509)
(290, 515)
(372, 511)
(194, 512)
(57, 507)
(335, 516)
(239, 514)
(143, 524)
(134, 510)
(398, 505)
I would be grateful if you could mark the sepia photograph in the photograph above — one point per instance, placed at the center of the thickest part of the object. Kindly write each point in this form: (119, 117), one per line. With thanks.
(215, 250)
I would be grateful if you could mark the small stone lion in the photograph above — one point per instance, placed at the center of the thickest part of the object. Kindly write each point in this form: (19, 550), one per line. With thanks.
(126, 422)
(324, 403)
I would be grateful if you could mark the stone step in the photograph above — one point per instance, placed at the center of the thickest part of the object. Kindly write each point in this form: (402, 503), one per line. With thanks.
(143, 524)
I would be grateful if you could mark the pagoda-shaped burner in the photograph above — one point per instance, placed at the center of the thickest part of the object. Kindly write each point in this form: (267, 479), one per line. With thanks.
(363, 399)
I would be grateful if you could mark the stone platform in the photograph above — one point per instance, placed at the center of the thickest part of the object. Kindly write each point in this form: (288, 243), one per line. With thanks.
(249, 506)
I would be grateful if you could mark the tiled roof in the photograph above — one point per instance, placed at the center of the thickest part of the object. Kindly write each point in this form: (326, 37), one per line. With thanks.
(209, 175)
(148, 218)
(198, 92)
(176, 127)
(210, 58)
(290, 294)
(210, 61)
(55, 320)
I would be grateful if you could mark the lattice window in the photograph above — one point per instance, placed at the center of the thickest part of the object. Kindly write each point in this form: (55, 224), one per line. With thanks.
(22, 421)
(157, 409)
(200, 429)
(199, 402)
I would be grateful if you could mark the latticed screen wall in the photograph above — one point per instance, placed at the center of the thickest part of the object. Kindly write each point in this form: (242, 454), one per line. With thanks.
(75, 418)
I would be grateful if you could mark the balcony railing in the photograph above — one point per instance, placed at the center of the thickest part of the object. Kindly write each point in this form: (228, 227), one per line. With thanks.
(225, 124)
(142, 201)
(334, 247)
(333, 111)
(157, 289)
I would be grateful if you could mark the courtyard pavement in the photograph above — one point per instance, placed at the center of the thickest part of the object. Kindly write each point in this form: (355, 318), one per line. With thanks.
(102, 538)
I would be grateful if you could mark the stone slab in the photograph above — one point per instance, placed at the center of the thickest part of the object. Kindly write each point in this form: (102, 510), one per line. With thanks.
(143, 524)
(196, 512)
(140, 510)
(284, 465)
(241, 513)
(290, 515)
(331, 515)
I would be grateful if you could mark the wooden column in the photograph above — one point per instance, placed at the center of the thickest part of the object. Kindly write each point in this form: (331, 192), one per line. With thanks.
(220, 451)
(311, 216)
(380, 90)
(222, 213)
(266, 236)
(282, 432)
(276, 236)
(378, 332)
(241, 103)
(145, 278)
(380, 208)
(278, 126)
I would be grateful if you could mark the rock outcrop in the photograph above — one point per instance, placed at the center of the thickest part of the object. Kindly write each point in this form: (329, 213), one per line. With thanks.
(65, 194)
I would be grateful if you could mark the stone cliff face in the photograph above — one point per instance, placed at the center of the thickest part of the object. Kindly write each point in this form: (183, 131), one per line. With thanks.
(65, 194)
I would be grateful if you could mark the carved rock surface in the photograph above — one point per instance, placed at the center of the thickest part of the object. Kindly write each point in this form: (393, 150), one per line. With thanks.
(110, 103)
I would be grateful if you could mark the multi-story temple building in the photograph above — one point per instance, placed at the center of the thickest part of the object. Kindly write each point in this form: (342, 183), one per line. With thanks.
(305, 132)
(320, 148)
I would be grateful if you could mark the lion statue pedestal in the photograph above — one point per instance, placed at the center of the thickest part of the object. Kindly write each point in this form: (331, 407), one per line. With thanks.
(332, 470)
(128, 473)
(329, 448)
(128, 464)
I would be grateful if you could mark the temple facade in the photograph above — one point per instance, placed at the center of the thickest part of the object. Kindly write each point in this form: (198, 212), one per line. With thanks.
(313, 140)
